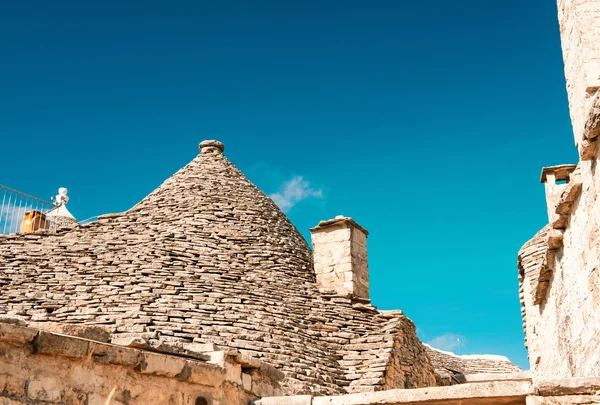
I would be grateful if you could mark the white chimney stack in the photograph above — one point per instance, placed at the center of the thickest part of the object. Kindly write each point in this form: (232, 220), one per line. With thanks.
(340, 257)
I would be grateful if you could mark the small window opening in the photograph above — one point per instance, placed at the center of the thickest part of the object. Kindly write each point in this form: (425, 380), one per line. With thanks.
(201, 401)
(563, 181)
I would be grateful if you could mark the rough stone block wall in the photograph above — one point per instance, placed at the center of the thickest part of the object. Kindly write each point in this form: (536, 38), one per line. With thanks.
(580, 35)
(562, 332)
(45, 368)
(410, 367)
(562, 318)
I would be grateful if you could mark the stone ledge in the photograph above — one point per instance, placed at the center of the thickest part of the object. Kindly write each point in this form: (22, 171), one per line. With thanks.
(567, 386)
(564, 400)
(60, 345)
(485, 393)
(560, 172)
(90, 332)
(339, 221)
(109, 354)
(17, 335)
(294, 400)
(489, 377)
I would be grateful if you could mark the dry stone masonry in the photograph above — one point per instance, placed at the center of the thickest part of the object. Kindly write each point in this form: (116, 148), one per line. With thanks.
(40, 367)
(340, 257)
(560, 290)
(207, 258)
(558, 268)
(580, 34)
(204, 293)
(452, 369)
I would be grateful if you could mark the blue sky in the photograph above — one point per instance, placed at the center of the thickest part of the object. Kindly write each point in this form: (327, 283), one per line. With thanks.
(428, 122)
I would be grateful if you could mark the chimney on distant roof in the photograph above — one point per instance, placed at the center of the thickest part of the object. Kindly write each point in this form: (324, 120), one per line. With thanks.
(555, 179)
(340, 257)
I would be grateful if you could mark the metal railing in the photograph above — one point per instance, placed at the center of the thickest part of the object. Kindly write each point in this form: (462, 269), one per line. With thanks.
(20, 212)
(89, 220)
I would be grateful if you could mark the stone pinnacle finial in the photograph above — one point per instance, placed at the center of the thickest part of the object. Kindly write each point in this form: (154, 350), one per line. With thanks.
(62, 198)
(211, 147)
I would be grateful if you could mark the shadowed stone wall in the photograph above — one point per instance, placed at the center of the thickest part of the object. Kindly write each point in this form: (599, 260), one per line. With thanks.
(408, 368)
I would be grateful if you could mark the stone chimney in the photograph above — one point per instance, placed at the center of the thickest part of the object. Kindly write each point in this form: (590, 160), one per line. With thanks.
(555, 179)
(340, 257)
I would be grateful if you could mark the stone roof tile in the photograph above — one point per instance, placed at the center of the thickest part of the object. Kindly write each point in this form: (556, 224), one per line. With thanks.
(208, 258)
(451, 368)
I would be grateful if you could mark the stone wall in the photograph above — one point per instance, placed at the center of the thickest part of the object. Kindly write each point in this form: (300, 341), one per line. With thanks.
(580, 35)
(574, 391)
(409, 366)
(395, 359)
(561, 287)
(39, 367)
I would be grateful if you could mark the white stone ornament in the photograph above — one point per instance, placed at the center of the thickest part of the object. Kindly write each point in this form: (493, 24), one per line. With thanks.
(62, 198)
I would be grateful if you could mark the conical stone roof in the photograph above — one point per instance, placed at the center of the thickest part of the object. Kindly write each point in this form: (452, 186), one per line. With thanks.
(207, 257)
(210, 209)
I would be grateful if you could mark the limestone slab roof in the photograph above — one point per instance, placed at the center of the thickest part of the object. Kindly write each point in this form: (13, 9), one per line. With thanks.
(533, 268)
(208, 258)
(532, 257)
(449, 365)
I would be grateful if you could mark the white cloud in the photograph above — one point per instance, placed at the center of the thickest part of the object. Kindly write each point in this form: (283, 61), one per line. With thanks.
(293, 191)
(448, 342)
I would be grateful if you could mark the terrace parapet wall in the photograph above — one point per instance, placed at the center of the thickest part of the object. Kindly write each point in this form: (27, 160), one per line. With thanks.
(44, 367)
